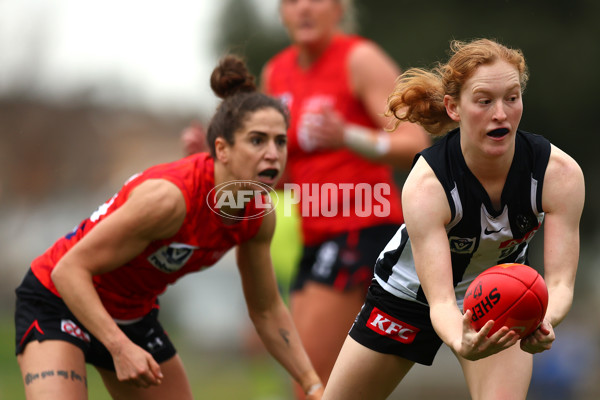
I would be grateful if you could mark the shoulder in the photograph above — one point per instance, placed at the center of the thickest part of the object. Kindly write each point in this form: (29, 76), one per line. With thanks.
(563, 183)
(371, 70)
(158, 197)
(367, 55)
(424, 199)
(562, 166)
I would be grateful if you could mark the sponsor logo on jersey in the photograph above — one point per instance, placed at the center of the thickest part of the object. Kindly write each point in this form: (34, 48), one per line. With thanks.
(391, 327)
(525, 238)
(171, 258)
(70, 327)
(229, 199)
(462, 245)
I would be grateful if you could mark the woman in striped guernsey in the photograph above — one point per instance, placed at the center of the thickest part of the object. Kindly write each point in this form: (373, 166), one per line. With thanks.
(472, 200)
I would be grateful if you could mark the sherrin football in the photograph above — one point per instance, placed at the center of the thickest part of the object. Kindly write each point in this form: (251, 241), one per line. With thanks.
(512, 295)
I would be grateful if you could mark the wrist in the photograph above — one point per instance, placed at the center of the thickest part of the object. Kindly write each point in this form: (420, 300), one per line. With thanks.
(365, 142)
(312, 389)
(310, 383)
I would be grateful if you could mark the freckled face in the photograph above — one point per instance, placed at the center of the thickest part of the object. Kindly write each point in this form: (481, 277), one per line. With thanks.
(309, 22)
(489, 109)
(259, 151)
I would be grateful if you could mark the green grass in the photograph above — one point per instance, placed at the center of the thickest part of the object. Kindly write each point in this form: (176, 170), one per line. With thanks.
(212, 376)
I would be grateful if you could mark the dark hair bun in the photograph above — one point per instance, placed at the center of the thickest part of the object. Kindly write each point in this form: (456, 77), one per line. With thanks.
(231, 76)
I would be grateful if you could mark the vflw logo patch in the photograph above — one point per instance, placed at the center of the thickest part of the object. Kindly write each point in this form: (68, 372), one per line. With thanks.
(173, 257)
(389, 326)
(461, 245)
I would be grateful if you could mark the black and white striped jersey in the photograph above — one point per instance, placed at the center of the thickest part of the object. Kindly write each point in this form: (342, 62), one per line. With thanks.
(478, 235)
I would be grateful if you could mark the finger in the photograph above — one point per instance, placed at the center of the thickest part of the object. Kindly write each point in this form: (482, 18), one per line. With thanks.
(156, 372)
(485, 330)
(467, 320)
(545, 327)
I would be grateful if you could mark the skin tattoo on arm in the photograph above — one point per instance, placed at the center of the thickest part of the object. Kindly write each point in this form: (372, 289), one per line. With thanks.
(284, 334)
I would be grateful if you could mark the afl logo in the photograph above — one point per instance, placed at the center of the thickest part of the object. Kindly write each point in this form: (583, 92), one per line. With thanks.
(240, 200)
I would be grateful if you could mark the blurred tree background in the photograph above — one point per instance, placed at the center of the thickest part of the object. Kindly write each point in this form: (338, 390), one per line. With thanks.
(59, 160)
(560, 40)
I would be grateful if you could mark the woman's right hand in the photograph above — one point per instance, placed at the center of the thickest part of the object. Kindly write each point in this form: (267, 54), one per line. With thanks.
(136, 366)
(476, 345)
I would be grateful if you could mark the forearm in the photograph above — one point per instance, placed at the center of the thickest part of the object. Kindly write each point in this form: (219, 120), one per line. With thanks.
(77, 291)
(277, 331)
(560, 299)
(447, 322)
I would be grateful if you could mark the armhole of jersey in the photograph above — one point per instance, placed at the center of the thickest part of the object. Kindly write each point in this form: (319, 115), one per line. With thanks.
(451, 193)
(542, 157)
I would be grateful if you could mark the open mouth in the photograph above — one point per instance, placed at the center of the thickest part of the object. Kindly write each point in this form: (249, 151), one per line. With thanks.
(498, 133)
(270, 173)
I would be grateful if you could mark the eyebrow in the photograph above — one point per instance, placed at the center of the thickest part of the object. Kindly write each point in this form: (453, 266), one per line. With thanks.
(486, 90)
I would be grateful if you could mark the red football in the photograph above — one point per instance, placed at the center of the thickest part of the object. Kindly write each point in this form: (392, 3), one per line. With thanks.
(512, 295)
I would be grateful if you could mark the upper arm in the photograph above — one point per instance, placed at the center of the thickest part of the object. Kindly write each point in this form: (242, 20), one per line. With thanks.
(154, 210)
(256, 269)
(562, 200)
(372, 77)
(427, 213)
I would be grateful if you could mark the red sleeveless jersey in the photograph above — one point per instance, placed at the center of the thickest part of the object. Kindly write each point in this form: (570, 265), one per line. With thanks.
(130, 291)
(334, 178)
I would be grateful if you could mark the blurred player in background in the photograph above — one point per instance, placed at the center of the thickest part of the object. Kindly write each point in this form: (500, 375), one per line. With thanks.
(473, 200)
(92, 296)
(336, 86)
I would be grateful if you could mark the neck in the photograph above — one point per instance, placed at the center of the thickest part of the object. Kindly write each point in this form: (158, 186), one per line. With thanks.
(309, 53)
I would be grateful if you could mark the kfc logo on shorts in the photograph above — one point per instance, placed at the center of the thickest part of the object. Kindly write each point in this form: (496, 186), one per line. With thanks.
(70, 327)
(388, 326)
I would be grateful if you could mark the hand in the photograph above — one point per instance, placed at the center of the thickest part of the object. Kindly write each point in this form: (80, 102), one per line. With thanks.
(540, 340)
(136, 366)
(194, 139)
(476, 345)
(323, 130)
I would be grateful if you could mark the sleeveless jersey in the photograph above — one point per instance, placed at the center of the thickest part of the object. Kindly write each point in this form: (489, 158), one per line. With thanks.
(130, 291)
(329, 182)
(478, 235)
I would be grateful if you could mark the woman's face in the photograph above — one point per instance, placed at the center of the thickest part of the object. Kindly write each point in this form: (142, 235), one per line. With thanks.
(489, 109)
(310, 21)
(259, 150)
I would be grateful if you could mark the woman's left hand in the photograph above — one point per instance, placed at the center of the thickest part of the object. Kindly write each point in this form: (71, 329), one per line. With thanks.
(540, 340)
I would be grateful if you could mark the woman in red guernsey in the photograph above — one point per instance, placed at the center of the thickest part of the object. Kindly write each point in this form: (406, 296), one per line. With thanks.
(340, 166)
(92, 296)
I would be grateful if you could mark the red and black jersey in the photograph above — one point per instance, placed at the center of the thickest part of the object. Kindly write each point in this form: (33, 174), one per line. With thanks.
(130, 291)
(306, 91)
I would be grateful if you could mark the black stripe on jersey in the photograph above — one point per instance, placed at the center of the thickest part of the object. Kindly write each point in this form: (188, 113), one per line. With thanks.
(385, 264)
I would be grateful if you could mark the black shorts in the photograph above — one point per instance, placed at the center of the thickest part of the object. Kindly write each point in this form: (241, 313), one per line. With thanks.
(40, 315)
(390, 325)
(346, 261)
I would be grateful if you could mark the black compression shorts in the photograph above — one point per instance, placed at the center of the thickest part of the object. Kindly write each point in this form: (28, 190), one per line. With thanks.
(40, 315)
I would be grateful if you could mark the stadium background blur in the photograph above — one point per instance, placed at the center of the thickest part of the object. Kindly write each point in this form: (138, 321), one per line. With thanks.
(90, 94)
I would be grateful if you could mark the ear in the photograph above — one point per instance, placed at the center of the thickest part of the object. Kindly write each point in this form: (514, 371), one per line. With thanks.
(452, 108)
(222, 149)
